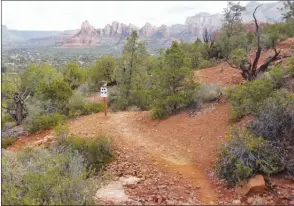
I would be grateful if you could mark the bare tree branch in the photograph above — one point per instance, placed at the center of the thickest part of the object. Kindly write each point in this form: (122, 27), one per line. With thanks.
(24, 92)
(265, 66)
(258, 52)
(235, 67)
(27, 97)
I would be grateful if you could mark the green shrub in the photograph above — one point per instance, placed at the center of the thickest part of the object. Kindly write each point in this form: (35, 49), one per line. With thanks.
(248, 98)
(5, 119)
(244, 155)
(290, 66)
(275, 123)
(78, 106)
(159, 112)
(43, 122)
(92, 107)
(276, 75)
(97, 151)
(45, 177)
(209, 92)
(7, 141)
(203, 63)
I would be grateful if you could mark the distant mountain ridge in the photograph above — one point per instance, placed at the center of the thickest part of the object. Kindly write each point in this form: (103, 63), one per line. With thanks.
(115, 34)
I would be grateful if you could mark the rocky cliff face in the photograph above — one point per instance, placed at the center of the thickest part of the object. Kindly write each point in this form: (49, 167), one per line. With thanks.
(163, 35)
(87, 36)
(115, 34)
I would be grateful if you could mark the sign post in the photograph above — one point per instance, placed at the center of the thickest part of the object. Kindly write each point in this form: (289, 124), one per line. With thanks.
(103, 93)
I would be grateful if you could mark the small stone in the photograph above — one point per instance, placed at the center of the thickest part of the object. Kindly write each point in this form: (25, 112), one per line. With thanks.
(249, 200)
(159, 200)
(170, 202)
(198, 187)
(271, 202)
(236, 202)
(162, 186)
(291, 202)
(258, 201)
(269, 198)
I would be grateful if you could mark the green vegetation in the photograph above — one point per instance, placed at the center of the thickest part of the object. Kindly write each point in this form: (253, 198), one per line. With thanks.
(131, 75)
(248, 98)
(43, 95)
(174, 85)
(77, 106)
(95, 150)
(244, 155)
(266, 145)
(43, 122)
(74, 75)
(102, 71)
(7, 141)
(61, 174)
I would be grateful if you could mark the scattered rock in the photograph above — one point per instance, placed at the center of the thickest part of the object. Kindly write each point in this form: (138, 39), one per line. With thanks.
(48, 138)
(258, 201)
(291, 202)
(170, 202)
(255, 185)
(112, 192)
(236, 202)
(249, 200)
(14, 131)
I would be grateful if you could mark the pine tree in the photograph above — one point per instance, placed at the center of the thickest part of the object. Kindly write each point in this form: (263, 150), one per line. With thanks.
(174, 87)
(232, 25)
(131, 76)
(288, 10)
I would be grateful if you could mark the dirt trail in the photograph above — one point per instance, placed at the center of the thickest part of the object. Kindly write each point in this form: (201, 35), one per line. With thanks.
(181, 143)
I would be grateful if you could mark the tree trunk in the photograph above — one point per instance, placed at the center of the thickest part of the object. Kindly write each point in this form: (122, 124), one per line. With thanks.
(19, 108)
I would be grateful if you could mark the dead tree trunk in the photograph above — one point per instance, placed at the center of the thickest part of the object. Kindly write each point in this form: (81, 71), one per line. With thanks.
(18, 110)
(20, 113)
(250, 71)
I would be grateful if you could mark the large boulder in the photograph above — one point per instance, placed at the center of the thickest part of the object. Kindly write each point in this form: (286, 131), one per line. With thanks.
(255, 185)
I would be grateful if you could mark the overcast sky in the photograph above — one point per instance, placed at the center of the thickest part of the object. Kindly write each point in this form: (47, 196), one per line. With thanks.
(65, 15)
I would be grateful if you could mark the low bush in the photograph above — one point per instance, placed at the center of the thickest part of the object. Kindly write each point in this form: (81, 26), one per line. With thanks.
(97, 151)
(6, 119)
(45, 177)
(116, 99)
(7, 141)
(244, 155)
(248, 98)
(275, 123)
(290, 66)
(43, 122)
(209, 92)
(78, 106)
(276, 76)
(159, 111)
(206, 63)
